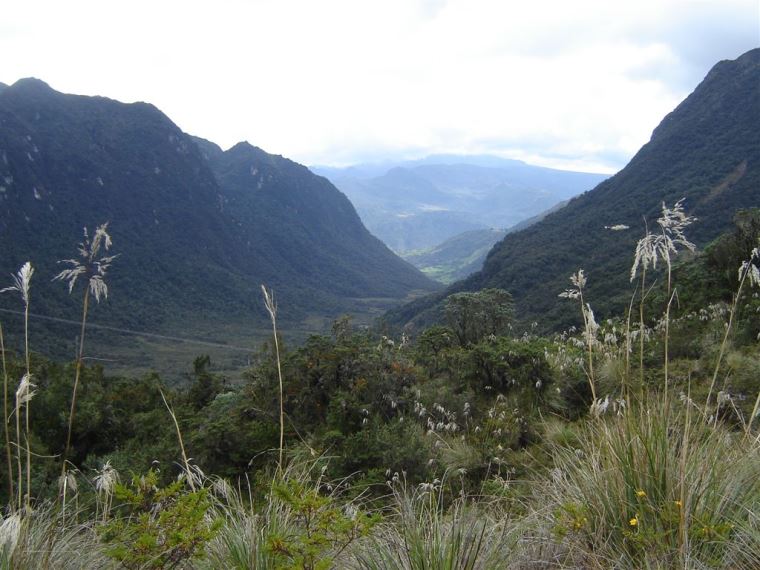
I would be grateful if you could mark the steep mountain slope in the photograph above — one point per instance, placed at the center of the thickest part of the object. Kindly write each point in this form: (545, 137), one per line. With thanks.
(69, 161)
(305, 228)
(198, 230)
(707, 151)
(419, 204)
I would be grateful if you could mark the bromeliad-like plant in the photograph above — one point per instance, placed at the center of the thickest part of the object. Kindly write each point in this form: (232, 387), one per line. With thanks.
(92, 266)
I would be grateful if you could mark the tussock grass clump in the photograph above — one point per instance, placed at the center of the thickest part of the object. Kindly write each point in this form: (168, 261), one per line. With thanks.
(657, 487)
(421, 533)
(44, 539)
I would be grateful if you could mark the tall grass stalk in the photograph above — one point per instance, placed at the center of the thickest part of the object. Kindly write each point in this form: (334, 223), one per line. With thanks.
(21, 284)
(271, 307)
(6, 418)
(747, 270)
(755, 408)
(628, 348)
(93, 268)
(650, 249)
(589, 324)
(185, 461)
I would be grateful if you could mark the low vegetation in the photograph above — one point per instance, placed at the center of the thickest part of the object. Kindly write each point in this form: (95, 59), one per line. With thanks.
(631, 442)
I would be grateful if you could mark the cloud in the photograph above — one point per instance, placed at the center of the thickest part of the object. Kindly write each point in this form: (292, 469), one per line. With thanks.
(335, 81)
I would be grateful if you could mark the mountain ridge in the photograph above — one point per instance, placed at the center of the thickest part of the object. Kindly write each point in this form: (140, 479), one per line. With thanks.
(195, 242)
(705, 151)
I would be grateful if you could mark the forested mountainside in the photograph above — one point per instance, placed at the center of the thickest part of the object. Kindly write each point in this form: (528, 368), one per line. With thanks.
(197, 230)
(706, 151)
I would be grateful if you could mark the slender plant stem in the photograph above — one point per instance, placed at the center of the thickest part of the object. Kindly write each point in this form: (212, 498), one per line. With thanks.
(752, 416)
(26, 412)
(722, 350)
(272, 310)
(20, 483)
(590, 350)
(627, 376)
(282, 410)
(77, 373)
(682, 528)
(8, 454)
(667, 332)
(181, 443)
(641, 327)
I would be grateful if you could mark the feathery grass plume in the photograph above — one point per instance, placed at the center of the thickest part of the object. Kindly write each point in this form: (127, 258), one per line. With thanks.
(21, 284)
(10, 529)
(92, 266)
(67, 481)
(6, 418)
(661, 246)
(271, 307)
(590, 328)
(105, 483)
(748, 270)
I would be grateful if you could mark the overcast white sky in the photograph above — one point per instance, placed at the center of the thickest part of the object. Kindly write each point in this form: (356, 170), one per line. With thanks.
(576, 84)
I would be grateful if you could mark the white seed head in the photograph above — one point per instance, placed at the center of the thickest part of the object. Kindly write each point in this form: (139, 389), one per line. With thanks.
(21, 282)
(10, 529)
(654, 247)
(106, 479)
(269, 302)
(92, 267)
(68, 481)
(578, 280)
(26, 390)
(750, 270)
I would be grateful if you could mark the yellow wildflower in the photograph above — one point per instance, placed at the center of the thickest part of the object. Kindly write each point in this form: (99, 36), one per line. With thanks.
(634, 521)
(678, 504)
(641, 493)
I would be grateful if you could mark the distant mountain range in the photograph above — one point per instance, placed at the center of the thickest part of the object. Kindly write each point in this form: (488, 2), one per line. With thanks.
(198, 229)
(706, 151)
(419, 204)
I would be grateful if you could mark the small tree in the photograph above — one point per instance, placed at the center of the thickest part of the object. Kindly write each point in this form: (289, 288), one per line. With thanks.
(473, 316)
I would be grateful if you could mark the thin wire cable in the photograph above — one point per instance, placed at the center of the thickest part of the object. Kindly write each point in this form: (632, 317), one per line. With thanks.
(130, 331)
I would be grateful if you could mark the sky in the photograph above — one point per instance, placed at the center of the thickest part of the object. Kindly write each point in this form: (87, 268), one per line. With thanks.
(575, 84)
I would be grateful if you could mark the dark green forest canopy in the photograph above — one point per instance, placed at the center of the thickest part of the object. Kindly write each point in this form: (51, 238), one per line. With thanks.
(198, 230)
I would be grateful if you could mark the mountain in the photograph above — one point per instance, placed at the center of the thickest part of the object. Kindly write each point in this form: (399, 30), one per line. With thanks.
(457, 257)
(198, 229)
(706, 151)
(419, 204)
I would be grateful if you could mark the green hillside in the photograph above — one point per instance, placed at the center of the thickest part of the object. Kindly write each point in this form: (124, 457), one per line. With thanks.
(197, 230)
(707, 151)
(457, 257)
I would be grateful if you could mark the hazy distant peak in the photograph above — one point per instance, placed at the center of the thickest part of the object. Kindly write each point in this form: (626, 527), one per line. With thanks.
(31, 83)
